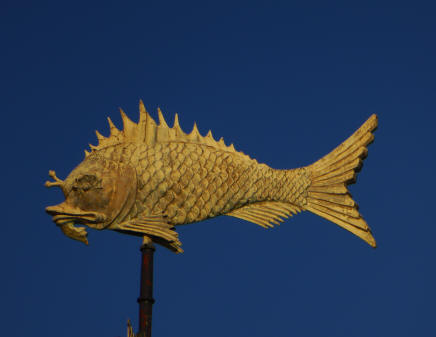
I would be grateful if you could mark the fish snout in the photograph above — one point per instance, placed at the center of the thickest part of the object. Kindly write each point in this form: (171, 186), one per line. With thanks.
(54, 210)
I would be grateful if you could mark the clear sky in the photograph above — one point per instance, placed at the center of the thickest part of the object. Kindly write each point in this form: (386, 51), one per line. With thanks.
(285, 82)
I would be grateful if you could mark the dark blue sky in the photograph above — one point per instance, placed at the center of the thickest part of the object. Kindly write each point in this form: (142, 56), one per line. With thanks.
(286, 82)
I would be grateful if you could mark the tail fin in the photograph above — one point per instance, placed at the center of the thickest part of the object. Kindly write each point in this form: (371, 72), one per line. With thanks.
(328, 195)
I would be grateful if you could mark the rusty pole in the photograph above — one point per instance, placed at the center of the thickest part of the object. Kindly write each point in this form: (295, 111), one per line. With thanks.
(145, 298)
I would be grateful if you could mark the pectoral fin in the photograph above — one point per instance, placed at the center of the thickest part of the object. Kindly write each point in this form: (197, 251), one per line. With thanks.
(154, 226)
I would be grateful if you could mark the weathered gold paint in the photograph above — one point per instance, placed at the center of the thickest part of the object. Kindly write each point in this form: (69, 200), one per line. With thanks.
(149, 178)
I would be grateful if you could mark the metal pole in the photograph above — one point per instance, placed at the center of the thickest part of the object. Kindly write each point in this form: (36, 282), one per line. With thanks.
(145, 299)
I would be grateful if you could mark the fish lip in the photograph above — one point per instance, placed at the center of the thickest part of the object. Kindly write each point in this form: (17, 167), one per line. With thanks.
(83, 218)
(61, 217)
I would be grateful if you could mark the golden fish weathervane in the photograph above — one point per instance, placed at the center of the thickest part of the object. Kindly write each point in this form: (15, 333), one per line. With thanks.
(149, 178)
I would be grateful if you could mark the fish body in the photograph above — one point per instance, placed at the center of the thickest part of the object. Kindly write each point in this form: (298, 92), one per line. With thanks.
(149, 178)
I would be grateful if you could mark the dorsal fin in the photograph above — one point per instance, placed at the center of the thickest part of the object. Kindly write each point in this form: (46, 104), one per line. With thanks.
(265, 213)
(146, 131)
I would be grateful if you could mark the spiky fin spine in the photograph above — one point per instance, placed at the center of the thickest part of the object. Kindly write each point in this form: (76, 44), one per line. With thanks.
(146, 131)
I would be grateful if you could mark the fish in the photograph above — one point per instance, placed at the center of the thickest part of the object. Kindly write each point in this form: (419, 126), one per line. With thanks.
(149, 178)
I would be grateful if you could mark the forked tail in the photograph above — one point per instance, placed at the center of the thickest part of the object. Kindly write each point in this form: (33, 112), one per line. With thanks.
(328, 195)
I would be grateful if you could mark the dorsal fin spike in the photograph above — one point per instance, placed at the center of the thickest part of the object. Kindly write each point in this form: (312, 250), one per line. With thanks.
(232, 147)
(195, 133)
(150, 130)
(92, 147)
(126, 120)
(112, 127)
(100, 137)
(87, 153)
(142, 112)
(209, 139)
(162, 121)
(221, 142)
(176, 121)
(129, 127)
(177, 130)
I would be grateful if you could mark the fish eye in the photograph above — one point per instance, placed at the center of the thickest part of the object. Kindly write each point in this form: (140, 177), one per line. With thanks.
(86, 182)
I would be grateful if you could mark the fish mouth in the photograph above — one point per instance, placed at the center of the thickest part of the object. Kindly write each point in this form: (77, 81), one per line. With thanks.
(66, 218)
(62, 215)
(82, 218)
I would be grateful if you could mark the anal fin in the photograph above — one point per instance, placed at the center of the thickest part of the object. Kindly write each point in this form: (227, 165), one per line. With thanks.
(265, 213)
(156, 227)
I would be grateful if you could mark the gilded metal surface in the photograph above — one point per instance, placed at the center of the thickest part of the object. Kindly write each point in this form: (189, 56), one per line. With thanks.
(149, 178)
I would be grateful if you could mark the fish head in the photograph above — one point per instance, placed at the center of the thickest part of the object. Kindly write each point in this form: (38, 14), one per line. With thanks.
(97, 193)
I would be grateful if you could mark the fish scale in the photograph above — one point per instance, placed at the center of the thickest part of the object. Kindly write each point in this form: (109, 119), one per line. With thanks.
(211, 187)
